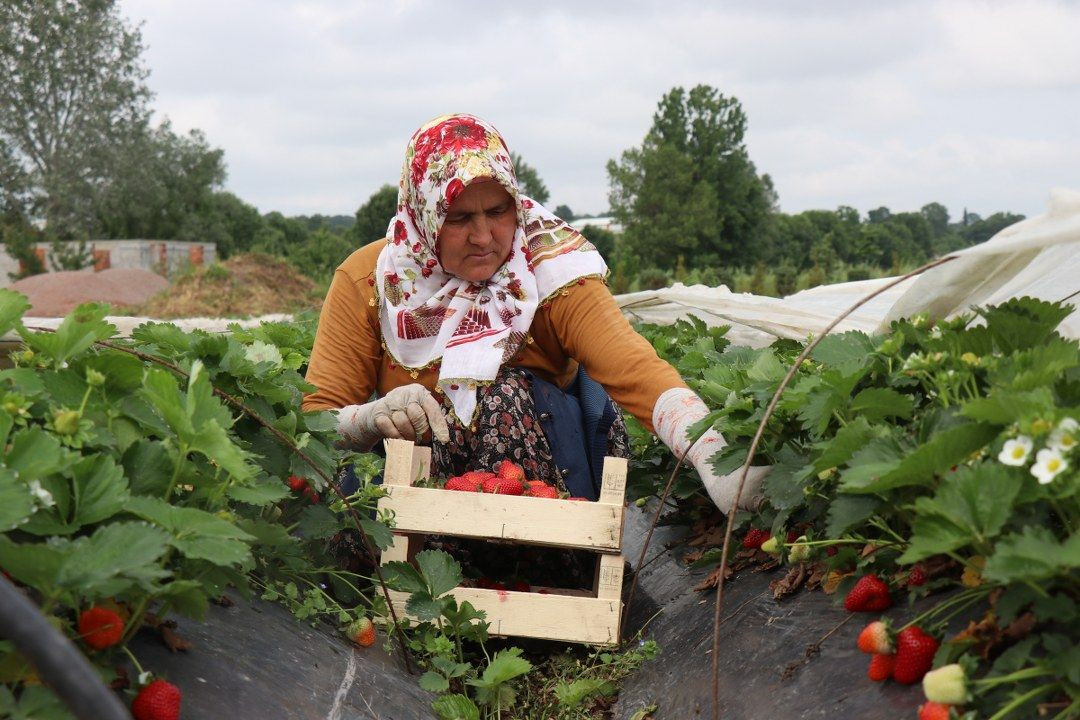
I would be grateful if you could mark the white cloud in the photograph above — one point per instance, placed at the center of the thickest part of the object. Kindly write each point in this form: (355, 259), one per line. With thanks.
(864, 104)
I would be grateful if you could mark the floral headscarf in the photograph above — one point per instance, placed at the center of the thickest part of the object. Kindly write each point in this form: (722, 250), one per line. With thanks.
(427, 315)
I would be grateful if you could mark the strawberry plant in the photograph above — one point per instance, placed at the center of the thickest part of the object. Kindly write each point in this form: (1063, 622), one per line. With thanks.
(150, 474)
(940, 456)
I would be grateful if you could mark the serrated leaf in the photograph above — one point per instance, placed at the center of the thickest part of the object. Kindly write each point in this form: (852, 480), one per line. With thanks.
(34, 564)
(13, 305)
(379, 533)
(504, 666)
(1002, 407)
(848, 440)
(1032, 555)
(34, 454)
(16, 502)
(919, 466)
(316, 522)
(115, 557)
(1025, 322)
(404, 577)
(434, 682)
(877, 404)
(847, 511)
(261, 491)
(571, 695)
(197, 534)
(848, 350)
(80, 329)
(878, 458)
(441, 571)
(423, 606)
(97, 491)
(455, 707)
(186, 597)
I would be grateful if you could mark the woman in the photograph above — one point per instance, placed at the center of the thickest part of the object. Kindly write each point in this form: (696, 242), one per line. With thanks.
(472, 318)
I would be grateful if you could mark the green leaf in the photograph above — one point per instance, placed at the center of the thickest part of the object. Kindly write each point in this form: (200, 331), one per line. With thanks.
(404, 577)
(1025, 322)
(34, 454)
(187, 597)
(196, 533)
(113, 558)
(260, 491)
(434, 682)
(877, 458)
(423, 606)
(442, 572)
(16, 502)
(504, 666)
(847, 351)
(36, 702)
(847, 511)
(34, 564)
(13, 305)
(379, 533)
(455, 707)
(877, 404)
(571, 695)
(943, 450)
(82, 327)
(1002, 407)
(449, 668)
(148, 465)
(98, 491)
(1032, 555)
(848, 440)
(316, 522)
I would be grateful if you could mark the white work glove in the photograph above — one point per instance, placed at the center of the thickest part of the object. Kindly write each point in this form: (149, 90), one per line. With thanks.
(408, 412)
(675, 411)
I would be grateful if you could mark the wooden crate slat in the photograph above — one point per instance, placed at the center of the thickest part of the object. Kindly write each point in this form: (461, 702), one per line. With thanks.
(550, 617)
(537, 521)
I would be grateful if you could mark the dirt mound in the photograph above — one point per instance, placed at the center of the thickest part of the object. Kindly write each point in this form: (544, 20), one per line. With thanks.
(58, 293)
(242, 286)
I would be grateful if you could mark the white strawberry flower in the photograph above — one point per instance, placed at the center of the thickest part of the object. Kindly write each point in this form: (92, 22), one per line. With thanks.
(43, 496)
(1048, 465)
(1016, 451)
(1065, 436)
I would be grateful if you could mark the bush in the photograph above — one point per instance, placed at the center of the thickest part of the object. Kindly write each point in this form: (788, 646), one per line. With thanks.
(652, 279)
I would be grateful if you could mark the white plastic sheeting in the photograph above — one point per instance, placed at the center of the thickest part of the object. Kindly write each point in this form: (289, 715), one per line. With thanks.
(1039, 257)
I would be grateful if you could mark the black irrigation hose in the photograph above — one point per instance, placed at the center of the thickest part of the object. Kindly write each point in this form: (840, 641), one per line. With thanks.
(60, 664)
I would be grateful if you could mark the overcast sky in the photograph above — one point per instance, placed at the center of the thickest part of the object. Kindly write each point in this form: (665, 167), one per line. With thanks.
(972, 104)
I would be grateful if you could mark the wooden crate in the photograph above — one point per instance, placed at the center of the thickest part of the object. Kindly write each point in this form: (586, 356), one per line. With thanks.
(566, 615)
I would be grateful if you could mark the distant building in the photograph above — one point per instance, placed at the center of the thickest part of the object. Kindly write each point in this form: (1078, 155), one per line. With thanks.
(605, 223)
(165, 257)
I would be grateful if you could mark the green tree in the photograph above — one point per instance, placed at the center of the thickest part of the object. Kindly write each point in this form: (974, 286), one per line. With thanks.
(156, 181)
(529, 180)
(73, 90)
(229, 222)
(321, 253)
(373, 217)
(979, 230)
(938, 216)
(603, 239)
(690, 188)
(565, 212)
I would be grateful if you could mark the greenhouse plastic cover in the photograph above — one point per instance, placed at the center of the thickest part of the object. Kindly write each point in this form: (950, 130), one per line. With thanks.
(1038, 257)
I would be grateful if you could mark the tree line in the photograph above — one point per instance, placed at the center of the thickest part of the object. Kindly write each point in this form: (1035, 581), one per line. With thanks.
(81, 159)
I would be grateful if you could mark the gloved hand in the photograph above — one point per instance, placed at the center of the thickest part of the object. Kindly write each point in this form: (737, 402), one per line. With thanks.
(675, 411)
(408, 412)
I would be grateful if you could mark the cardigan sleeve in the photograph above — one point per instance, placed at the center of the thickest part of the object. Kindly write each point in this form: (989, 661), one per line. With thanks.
(345, 359)
(592, 330)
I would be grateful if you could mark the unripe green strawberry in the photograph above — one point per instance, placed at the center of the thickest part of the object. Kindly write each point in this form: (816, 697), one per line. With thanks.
(771, 546)
(799, 550)
(66, 422)
(946, 685)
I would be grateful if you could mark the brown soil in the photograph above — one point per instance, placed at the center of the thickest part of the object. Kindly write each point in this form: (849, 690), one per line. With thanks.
(58, 293)
(242, 286)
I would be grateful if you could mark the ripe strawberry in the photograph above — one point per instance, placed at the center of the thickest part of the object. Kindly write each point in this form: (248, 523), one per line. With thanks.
(870, 594)
(914, 655)
(831, 550)
(297, 483)
(509, 470)
(792, 536)
(520, 586)
(881, 666)
(874, 638)
(503, 486)
(310, 494)
(534, 483)
(100, 627)
(159, 700)
(362, 632)
(917, 576)
(754, 537)
(477, 476)
(934, 711)
(461, 483)
(542, 491)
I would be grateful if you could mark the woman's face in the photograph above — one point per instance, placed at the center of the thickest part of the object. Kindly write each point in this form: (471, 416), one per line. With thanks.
(478, 231)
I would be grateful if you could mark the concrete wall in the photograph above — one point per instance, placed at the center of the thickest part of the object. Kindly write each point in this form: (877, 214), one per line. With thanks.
(165, 257)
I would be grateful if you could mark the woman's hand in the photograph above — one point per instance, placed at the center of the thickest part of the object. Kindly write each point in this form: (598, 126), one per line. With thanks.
(409, 412)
